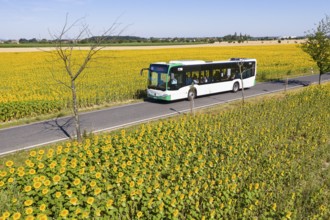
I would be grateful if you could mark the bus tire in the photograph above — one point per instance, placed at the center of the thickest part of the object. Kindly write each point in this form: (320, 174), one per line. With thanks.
(235, 87)
(192, 94)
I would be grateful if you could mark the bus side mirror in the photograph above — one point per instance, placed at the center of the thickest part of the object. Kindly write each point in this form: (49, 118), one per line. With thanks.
(141, 72)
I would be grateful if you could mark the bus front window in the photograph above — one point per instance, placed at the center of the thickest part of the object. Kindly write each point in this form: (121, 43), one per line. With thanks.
(158, 77)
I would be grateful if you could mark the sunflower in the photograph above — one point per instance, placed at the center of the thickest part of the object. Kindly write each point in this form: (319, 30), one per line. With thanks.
(90, 200)
(9, 163)
(64, 213)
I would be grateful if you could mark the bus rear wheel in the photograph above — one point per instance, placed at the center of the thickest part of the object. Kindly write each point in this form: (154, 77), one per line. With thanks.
(235, 87)
(191, 94)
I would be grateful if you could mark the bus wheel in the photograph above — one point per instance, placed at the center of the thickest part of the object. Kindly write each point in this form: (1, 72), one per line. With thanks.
(191, 94)
(235, 87)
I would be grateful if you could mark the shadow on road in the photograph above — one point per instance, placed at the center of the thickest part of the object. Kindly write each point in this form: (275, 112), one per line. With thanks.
(163, 102)
(179, 113)
(291, 82)
(61, 125)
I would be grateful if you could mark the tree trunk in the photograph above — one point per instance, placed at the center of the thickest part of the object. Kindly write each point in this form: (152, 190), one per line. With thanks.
(75, 110)
(320, 78)
(241, 74)
(243, 97)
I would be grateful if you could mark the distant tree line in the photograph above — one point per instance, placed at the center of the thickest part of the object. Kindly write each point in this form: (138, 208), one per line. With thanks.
(33, 40)
(235, 37)
(231, 38)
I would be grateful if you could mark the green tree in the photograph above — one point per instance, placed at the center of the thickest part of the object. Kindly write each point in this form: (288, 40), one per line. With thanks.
(317, 45)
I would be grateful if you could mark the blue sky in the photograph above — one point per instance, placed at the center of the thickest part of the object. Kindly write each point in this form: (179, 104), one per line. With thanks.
(167, 18)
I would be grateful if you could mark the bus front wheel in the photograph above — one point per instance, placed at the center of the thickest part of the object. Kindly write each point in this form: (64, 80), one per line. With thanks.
(235, 87)
(191, 94)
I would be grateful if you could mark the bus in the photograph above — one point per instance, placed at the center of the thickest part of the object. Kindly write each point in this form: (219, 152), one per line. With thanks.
(181, 79)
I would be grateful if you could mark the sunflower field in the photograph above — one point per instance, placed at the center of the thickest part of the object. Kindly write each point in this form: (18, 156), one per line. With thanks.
(29, 80)
(267, 160)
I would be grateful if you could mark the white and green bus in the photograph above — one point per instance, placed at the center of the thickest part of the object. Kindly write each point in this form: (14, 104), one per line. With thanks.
(191, 78)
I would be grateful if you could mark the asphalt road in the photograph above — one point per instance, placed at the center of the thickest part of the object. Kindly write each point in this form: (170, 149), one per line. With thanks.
(58, 129)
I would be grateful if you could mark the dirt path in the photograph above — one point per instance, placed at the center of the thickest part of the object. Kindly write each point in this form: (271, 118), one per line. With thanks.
(250, 43)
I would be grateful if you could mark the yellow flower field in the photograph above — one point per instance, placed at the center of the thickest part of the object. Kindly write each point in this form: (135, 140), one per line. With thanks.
(262, 161)
(28, 87)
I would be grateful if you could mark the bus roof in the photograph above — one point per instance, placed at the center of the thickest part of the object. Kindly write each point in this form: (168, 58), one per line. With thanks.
(196, 62)
(187, 62)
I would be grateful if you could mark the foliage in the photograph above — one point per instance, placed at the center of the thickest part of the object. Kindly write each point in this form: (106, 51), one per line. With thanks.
(232, 38)
(265, 160)
(114, 77)
(318, 45)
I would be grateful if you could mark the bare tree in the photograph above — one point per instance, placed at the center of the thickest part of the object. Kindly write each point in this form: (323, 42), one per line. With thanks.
(73, 63)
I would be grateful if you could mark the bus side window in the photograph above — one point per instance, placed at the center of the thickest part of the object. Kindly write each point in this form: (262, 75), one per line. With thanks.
(208, 76)
(236, 74)
(248, 73)
(189, 79)
(245, 74)
(223, 75)
(204, 77)
(216, 75)
(211, 78)
(176, 79)
(180, 79)
(195, 77)
(253, 70)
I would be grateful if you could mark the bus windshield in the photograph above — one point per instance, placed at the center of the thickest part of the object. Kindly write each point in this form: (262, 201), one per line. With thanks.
(158, 76)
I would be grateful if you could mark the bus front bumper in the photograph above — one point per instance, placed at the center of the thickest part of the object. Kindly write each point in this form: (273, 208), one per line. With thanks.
(157, 96)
